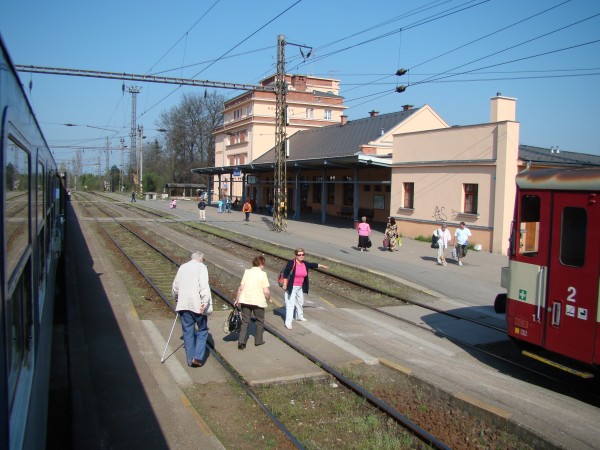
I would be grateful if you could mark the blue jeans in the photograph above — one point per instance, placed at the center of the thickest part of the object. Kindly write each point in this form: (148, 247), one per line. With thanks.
(194, 341)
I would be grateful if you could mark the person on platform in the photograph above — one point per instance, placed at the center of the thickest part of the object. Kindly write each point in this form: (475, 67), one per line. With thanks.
(220, 205)
(202, 210)
(228, 204)
(132, 196)
(253, 295)
(191, 291)
(391, 234)
(364, 231)
(461, 241)
(444, 239)
(295, 285)
(247, 209)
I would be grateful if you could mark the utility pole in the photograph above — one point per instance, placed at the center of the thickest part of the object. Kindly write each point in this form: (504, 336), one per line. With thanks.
(107, 183)
(280, 176)
(141, 137)
(134, 91)
(122, 164)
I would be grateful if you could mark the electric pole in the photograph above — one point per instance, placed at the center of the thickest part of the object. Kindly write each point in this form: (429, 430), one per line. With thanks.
(141, 133)
(280, 176)
(134, 91)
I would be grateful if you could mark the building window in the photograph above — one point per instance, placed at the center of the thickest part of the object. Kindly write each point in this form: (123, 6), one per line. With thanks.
(317, 186)
(238, 137)
(348, 191)
(310, 113)
(237, 114)
(331, 190)
(409, 196)
(327, 114)
(367, 187)
(470, 198)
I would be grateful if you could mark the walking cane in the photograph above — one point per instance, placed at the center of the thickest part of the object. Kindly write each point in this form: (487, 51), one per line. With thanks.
(162, 360)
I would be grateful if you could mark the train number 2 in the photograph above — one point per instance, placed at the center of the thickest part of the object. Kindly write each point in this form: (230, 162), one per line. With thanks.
(572, 291)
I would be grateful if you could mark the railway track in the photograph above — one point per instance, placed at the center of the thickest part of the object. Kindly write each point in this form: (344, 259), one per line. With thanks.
(355, 292)
(146, 257)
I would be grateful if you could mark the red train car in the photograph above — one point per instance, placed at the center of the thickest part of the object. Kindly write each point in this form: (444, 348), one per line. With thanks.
(552, 301)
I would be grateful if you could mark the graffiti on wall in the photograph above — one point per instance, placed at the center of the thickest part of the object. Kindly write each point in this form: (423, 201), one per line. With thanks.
(440, 214)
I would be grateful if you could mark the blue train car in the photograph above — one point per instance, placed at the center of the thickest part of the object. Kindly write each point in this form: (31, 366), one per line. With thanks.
(32, 236)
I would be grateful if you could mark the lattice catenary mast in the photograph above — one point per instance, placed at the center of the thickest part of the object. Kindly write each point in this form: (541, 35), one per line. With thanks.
(280, 176)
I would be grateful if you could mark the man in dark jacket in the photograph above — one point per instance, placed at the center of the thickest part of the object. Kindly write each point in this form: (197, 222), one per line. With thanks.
(201, 210)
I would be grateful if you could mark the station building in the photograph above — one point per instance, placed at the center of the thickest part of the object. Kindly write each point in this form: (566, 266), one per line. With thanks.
(410, 165)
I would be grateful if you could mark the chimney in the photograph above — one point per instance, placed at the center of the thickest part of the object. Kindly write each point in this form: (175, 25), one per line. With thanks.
(344, 119)
(374, 113)
(503, 109)
(407, 107)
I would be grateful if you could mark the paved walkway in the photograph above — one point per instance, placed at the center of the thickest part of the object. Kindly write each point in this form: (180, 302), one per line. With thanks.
(475, 284)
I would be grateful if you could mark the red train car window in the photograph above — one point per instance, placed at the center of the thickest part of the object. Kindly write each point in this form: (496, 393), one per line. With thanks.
(529, 237)
(573, 237)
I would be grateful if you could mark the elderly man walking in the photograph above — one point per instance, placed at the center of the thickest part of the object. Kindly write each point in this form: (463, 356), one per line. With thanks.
(191, 291)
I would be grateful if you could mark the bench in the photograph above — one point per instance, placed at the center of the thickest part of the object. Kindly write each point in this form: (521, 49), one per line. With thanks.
(346, 211)
(369, 213)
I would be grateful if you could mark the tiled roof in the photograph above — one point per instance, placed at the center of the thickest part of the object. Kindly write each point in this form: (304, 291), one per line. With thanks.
(338, 140)
(546, 156)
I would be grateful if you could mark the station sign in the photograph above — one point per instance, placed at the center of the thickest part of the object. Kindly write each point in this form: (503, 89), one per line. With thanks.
(237, 173)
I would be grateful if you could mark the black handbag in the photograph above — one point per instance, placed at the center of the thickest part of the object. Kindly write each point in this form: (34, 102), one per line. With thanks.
(233, 324)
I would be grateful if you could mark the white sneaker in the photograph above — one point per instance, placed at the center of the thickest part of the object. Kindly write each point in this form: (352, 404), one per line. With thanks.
(289, 327)
(302, 319)
(460, 263)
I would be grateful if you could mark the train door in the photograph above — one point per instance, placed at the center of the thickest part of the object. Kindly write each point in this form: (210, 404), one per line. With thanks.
(528, 266)
(573, 276)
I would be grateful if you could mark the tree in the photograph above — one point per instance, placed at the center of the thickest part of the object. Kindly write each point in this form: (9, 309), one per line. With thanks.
(189, 140)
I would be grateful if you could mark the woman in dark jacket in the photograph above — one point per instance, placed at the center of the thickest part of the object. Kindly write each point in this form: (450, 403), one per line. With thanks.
(295, 284)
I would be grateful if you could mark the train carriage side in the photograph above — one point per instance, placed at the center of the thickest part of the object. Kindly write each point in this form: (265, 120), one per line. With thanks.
(31, 246)
(554, 264)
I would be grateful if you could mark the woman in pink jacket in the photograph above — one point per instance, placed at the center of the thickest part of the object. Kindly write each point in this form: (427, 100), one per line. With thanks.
(364, 231)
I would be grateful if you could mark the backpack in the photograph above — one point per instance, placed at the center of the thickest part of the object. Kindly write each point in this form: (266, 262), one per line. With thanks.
(434, 240)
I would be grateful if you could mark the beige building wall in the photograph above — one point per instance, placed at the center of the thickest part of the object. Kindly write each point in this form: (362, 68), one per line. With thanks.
(440, 162)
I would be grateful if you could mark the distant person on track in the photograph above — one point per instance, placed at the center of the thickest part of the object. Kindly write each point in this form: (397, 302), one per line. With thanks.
(191, 291)
(461, 241)
(444, 239)
(247, 209)
(253, 295)
(295, 285)
(364, 231)
(132, 197)
(202, 210)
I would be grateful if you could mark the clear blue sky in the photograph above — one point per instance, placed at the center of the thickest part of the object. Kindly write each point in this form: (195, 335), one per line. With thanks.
(355, 41)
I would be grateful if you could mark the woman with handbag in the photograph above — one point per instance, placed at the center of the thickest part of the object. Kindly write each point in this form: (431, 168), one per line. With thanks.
(295, 285)
(253, 295)
(364, 231)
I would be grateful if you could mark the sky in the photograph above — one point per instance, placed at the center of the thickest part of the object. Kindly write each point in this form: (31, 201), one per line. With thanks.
(458, 53)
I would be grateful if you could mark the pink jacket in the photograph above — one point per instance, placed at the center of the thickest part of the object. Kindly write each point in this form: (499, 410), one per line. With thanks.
(364, 229)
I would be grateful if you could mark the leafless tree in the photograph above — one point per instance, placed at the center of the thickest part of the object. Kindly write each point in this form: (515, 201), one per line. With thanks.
(189, 140)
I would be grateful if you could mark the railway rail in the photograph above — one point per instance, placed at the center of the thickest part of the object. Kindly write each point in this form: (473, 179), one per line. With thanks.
(373, 297)
(327, 286)
(138, 255)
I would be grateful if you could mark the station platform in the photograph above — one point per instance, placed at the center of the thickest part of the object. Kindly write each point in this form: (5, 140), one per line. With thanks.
(117, 380)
